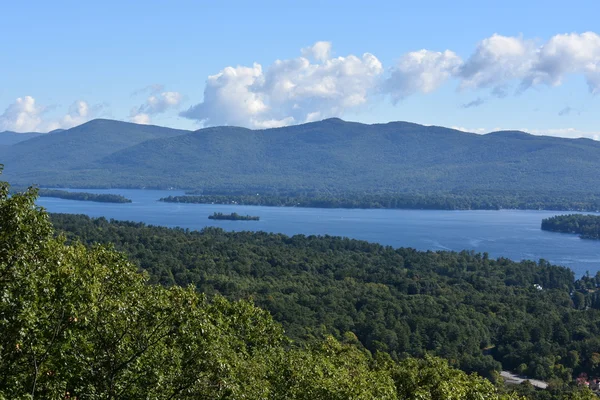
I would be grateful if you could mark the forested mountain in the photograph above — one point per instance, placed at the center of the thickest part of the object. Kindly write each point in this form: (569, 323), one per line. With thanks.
(8, 138)
(330, 155)
(56, 157)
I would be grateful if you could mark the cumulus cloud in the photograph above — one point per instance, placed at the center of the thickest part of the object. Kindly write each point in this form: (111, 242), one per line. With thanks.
(26, 115)
(317, 85)
(496, 61)
(471, 130)
(156, 103)
(500, 63)
(319, 51)
(567, 54)
(79, 113)
(421, 72)
(288, 91)
(141, 118)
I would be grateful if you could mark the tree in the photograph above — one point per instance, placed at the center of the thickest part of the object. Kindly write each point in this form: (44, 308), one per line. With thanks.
(82, 323)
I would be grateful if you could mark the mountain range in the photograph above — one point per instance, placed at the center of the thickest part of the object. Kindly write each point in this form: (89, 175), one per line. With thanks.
(329, 155)
(8, 138)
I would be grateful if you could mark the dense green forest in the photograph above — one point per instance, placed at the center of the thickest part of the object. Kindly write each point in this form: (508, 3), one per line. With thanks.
(324, 155)
(81, 322)
(427, 201)
(83, 196)
(233, 217)
(587, 226)
(479, 313)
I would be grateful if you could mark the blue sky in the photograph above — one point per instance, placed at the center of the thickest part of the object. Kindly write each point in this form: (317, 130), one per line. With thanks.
(473, 65)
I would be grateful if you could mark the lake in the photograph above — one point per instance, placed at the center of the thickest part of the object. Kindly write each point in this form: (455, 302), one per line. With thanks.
(514, 234)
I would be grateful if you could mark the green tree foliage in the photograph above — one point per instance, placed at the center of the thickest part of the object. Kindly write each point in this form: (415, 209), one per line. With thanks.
(480, 200)
(83, 196)
(480, 314)
(587, 226)
(82, 323)
(323, 155)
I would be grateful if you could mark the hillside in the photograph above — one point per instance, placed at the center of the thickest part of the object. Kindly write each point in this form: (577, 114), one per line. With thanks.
(81, 323)
(8, 138)
(330, 155)
(55, 157)
(534, 318)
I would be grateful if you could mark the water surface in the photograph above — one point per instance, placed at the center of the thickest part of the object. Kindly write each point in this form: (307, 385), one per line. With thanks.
(514, 234)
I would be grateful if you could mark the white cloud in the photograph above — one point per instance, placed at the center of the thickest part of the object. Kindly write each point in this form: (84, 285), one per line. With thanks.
(496, 61)
(319, 51)
(141, 118)
(25, 115)
(317, 85)
(79, 113)
(229, 98)
(471, 130)
(421, 71)
(499, 62)
(156, 103)
(288, 91)
(568, 54)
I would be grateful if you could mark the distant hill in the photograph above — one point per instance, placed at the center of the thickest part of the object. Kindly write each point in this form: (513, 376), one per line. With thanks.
(330, 155)
(61, 156)
(8, 138)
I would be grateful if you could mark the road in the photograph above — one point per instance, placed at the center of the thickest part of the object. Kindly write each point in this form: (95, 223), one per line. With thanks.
(511, 378)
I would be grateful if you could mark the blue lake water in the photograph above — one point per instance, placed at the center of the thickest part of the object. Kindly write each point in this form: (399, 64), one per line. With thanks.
(514, 234)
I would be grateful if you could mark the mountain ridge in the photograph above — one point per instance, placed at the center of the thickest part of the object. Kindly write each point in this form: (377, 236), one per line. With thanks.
(8, 138)
(332, 154)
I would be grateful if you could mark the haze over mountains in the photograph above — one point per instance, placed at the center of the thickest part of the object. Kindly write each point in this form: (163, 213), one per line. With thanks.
(331, 155)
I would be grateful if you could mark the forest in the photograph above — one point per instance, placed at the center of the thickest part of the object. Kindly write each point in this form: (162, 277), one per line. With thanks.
(587, 226)
(422, 201)
(81, 322)
(79, 319)
(479, 313)
(323, 155)
(83, 196)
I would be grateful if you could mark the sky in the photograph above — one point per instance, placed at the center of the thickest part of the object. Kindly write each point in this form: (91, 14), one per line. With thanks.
(478, 66)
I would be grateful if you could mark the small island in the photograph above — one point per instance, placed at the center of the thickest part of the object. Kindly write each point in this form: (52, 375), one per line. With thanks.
(83, 196)
(587, 226)
(233, 217)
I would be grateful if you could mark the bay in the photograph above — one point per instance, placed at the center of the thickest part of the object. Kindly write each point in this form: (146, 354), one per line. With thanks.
(513, 234)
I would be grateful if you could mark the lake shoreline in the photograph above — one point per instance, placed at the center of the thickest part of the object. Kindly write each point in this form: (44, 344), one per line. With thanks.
(513, 234)
(186, 193)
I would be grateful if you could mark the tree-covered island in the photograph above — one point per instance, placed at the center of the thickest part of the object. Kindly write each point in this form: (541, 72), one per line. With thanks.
(84, 196)
(233, 217)
(587, 226)
(413, 200)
